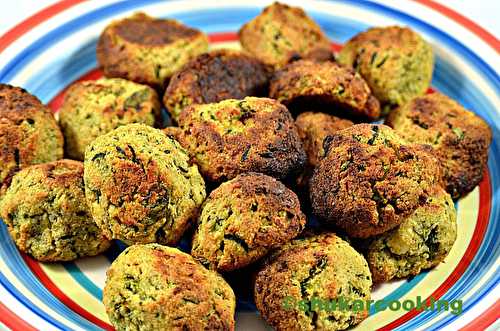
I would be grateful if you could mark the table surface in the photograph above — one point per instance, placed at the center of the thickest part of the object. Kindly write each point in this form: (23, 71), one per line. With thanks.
(483, 12)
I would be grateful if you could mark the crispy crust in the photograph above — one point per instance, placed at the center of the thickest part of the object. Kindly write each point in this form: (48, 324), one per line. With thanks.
(323, 84)
(147, 50)
(459, 137)
(45, 215)
(93, 108)
(371, 179)
(243, 219)
(238, 136)
(313, 129)
(395, 61)
(29, 133)
(140, 185)
(216, 76)
(153, 287)
(422, 241)
(282, 33)
(323, 267)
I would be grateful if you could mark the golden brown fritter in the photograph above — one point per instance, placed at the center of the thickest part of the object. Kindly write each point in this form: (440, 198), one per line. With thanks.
(371, 179)
(314, 128)
(93, 108)
(237, 136)
(459, 137)
(29, 133)
(146, 49)
(46, 214)
(323, 85)
(396, 62)
(321, 268)
(216, 76)
(422, 241)
(140, 186)
(243, 219)
(281, 33)
(154, 287)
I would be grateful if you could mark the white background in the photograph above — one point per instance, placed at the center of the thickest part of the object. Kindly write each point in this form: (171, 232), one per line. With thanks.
(483, 12)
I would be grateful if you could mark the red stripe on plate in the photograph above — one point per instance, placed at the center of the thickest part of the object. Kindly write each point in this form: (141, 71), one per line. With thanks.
(28, 24)
(487, 318)
(477, 238)
(52, 288)
(464, 21)
(218, 37)
(12, 321)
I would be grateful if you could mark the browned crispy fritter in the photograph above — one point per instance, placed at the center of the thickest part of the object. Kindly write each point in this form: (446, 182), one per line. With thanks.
(281, 33)
(146, 49)
(243, 219)
(314, 128)
(154, 287)
(46, 214)
(459, 137)
(371, 179)
(320, 267)
(396, 62)
(216, 76)
(29, 133)
(323, 84)
(237, 136)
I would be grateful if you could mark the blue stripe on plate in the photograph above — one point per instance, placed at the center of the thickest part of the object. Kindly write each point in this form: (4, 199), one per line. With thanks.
(83, 280)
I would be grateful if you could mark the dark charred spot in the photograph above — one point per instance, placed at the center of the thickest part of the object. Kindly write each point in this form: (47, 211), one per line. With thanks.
(146, 31)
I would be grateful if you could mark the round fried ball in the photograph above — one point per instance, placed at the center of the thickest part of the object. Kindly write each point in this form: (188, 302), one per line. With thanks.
(29, 133)
(148, 50)
(140, 186)
(371, 179)
(459, 137)
(422, 241)
(324, 84)
(154, 287)
(243, 219)
(46, 214)
(396, 62)
(237, 136)
(281, 33)
(322, 267)
(93, 108)
(216, 76)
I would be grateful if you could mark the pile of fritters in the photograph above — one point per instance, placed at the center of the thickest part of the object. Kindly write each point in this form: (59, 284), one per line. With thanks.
(258, 138)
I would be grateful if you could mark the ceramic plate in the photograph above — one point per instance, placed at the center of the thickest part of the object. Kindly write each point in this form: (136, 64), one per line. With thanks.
(56, 47)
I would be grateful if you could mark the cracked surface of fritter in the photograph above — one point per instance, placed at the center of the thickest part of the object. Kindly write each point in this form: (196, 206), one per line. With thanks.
(216, 76)
(281, 33)
(324, 267)
(29, 133)
(146, 49)
(46, 214)
(154, 287)
(243, 219)
(237, 136)
(140, 185)
(422, 241)
(313, 128)
(93, 108)
(371, 179)
(396, 62)
(326, 85)
(459, 137)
